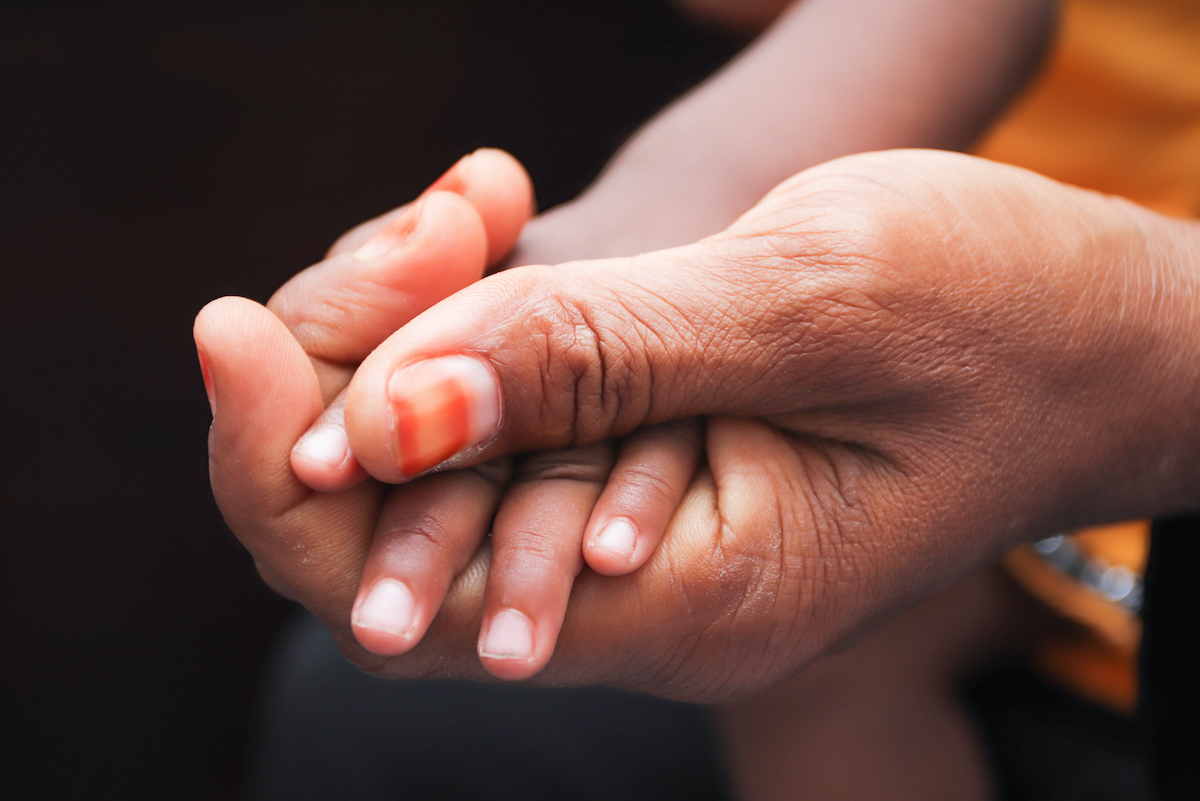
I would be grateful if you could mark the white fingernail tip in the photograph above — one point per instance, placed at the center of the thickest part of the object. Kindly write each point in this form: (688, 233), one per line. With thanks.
(617, 537)
(388, 608)
(327, 445)
(510, 636)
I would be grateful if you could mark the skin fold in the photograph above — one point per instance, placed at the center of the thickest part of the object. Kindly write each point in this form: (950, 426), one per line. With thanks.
(930, 370)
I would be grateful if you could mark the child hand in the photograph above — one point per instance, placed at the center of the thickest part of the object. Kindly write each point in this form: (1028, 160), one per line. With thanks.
(268, 375)
(608, 504)
(338, 311)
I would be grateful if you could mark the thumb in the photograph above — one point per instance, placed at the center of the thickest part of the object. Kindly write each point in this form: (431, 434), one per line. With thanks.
(540, 358)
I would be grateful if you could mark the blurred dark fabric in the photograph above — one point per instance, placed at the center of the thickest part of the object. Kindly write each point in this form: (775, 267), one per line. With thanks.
(156, 156)
(330, 731)
(1170, 702)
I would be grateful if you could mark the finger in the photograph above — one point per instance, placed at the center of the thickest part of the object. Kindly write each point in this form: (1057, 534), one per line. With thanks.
(536, 554)
(492, 181)
(341, 309)
(541, 358)
(643, 491)
(265, 395)
(427, 533)
(322, 459)
(629, 631)
(501, 191)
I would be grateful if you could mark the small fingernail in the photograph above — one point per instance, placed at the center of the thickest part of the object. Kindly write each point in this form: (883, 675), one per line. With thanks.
(617, 537)
(441, 407)
(391, 236)
(208, 382)
(388, 607)
(456, 179)
(466, 185)
(509, 636)
(327, 445)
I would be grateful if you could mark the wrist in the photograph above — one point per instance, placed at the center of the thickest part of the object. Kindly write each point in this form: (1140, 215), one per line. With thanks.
(1155, 469)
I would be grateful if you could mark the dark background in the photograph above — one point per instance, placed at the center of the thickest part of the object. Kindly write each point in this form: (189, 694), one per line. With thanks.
(154, 156)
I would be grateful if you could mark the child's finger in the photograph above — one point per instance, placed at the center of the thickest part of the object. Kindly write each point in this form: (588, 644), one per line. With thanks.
(493, 182)
(500, 189)
(264, 395)
(652, 473)
(536, 555)
(427, 533)
(322, 459)
(341, 309)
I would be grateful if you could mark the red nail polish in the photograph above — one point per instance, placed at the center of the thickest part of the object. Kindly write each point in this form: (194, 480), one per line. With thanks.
(209, 388)
(441, 407)
(452, 180)
(392, 235)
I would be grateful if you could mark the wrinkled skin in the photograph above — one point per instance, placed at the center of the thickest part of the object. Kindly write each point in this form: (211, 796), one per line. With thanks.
(909, 363)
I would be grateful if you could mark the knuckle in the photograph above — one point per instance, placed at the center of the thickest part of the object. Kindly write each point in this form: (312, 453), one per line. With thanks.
(532, 550)
(642, 487)
(496, 472)
(589, 464)
(412, 527)
(594, 365)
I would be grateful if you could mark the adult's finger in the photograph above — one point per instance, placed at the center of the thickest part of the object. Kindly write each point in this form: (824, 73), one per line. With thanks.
(541, 357)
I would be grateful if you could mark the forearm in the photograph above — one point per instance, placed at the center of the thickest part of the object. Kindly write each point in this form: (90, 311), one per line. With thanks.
(829, 78)
(1155, 469)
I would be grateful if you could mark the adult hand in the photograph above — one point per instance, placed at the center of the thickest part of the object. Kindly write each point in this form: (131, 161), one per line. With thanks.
(912, 361)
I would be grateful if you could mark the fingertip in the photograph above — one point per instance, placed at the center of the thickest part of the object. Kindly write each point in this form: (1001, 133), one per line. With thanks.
(384, 619)
(322, 458)
(508, 646)
(216, 316)
(448, 221)
(500, 188)
(611, 549)
(642, 495)
(316, 461)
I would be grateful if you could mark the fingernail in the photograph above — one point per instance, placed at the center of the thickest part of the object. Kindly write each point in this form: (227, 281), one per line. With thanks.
(327, 445)
(466, 187)
(391, 236)
(617, 537)
(441, 407)
(456, 179)
(208, 382)
(388, 607)
(509, 636)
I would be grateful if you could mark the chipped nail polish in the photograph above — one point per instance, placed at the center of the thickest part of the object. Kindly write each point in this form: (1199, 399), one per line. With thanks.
(439, 408)
(391, 236)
